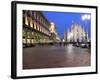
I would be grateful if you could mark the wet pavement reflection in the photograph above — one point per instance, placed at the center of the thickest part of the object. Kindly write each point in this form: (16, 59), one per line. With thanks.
(55, 56)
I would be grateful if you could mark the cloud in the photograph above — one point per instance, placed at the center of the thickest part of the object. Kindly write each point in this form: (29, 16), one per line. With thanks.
(86, 17)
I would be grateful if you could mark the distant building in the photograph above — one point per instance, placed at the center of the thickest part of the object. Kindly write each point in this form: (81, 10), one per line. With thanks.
(52, 28)
(76, 34)
(54, 35)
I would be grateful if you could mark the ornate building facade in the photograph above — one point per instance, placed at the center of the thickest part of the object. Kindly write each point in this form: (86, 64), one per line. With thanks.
(35, 28)
(76, 34)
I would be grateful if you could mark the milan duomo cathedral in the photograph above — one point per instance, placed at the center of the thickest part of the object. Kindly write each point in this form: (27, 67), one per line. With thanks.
(76, 34)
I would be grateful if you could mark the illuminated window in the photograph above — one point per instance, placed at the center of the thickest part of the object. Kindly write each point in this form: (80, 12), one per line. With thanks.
(34, 25)
(38, 27)
(26, 20)
(28, 41)
(31, 23)
(42, 29)
(24, 41)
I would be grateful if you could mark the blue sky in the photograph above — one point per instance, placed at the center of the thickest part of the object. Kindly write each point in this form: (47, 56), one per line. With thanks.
(63, 20)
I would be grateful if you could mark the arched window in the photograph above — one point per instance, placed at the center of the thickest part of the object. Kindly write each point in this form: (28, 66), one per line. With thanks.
(34, 25)
(31, 23)
(26, 20)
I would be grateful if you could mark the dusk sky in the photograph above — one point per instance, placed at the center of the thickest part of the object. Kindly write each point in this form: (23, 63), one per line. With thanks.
(63, 20)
